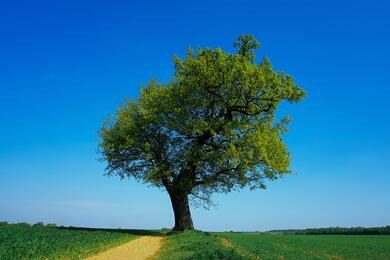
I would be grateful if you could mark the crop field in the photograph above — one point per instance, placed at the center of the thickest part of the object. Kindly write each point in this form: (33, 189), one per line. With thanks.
(200, 245)
(21, 241)
(266, 246)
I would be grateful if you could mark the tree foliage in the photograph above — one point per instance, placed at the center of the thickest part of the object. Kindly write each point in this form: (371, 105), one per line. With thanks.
(210, 129)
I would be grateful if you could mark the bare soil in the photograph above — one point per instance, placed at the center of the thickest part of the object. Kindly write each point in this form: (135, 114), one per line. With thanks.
(141, 248)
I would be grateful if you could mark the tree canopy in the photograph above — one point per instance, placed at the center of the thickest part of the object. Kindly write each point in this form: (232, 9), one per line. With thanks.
(212, 128)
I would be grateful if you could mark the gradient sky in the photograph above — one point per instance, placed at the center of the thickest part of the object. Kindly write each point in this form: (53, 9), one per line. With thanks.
(65, 66)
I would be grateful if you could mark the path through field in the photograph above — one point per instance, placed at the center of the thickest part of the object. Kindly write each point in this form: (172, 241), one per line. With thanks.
(141, 248)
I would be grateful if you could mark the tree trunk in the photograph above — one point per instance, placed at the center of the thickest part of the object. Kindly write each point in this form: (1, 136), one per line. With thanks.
(181, 209)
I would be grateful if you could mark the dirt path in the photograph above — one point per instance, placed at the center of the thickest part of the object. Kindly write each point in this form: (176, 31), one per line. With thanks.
(140, 248)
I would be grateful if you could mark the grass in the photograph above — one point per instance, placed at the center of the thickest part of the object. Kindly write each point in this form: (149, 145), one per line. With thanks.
(265, 246)
(22, 241)
(234, 245)
(195, 245)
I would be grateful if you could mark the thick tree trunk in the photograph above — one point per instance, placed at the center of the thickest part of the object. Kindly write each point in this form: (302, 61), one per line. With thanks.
(181, 209)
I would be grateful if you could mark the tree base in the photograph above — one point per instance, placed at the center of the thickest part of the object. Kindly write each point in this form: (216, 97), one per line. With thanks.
(181, 210)
(181, 229)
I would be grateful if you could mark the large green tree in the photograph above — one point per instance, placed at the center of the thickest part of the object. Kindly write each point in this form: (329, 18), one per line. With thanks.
(210, 129)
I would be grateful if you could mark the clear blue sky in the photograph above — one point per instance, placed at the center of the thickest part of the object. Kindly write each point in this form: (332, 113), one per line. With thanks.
(64, 66)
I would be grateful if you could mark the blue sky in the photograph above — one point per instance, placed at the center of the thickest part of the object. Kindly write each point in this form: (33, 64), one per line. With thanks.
(65, 66)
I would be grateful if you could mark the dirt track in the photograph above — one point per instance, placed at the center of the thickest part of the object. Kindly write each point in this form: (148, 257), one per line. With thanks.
(140, 248)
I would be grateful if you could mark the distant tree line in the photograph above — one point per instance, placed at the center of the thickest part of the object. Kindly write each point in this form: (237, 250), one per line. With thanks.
(337, 231)
(25, 224)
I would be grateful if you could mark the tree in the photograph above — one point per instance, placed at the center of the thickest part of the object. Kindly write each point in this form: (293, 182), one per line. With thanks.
(210, 129)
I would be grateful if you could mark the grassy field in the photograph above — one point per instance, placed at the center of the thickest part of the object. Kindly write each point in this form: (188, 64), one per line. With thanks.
(199, 245)
(195, 245)
(266, 246)
(21, 241)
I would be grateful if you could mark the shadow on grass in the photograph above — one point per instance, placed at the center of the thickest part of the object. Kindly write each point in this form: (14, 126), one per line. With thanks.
(138, 232)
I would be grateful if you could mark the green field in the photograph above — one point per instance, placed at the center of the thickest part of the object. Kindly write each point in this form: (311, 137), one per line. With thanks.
(199, 245)
(195, 245)
(22, 241)
(266, 246)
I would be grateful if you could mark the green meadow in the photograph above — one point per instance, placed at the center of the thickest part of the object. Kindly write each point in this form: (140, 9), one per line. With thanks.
(267, 246)
(229, 245)
(23, 241)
